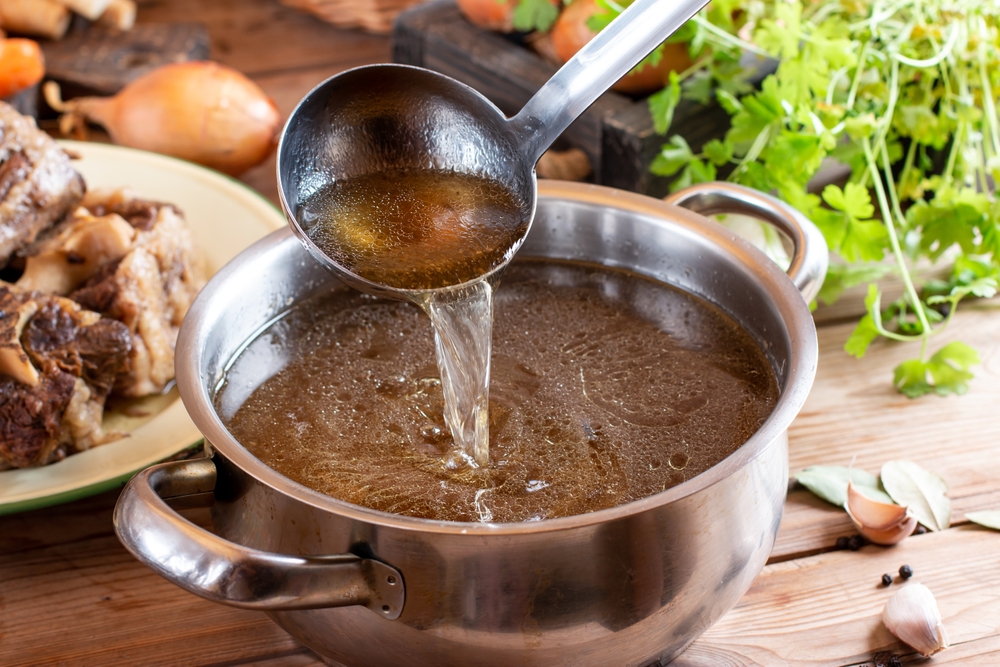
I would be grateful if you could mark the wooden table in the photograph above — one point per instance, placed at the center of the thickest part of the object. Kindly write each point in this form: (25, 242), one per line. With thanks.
(71, 595)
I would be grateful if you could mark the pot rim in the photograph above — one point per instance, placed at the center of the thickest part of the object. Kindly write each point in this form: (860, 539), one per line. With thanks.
(791, 306)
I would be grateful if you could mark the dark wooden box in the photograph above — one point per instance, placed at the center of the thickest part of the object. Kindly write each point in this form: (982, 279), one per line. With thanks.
(616, 132)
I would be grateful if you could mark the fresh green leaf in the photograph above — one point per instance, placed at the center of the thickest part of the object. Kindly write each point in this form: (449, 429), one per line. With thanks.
(987, 518)
(910, 378)
(853, 200)
(949, 368)
(830, 483)
(663, 104)
(718, 152)
(673, 157)
(867, 330)
(537, 15)
(840, 277)
(780, 36)
(921, 491)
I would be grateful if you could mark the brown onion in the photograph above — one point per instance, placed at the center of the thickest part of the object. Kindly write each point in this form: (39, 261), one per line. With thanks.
(200, 111)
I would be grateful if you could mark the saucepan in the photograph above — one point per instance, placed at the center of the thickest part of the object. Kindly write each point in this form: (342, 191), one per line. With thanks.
(627, 586)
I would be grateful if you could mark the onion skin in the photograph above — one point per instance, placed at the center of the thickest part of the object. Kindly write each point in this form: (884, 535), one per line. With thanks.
(570, 33)
(199, 111)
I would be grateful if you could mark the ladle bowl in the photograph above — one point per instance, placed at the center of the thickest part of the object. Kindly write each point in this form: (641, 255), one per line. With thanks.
(379, 118)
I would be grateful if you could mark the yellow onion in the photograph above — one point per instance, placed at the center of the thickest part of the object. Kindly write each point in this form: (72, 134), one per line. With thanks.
(200, 111)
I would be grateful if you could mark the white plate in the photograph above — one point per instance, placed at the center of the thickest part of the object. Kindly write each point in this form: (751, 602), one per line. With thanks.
(225, 217)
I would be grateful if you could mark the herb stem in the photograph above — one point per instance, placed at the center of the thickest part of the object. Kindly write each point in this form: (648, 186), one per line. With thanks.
(729, 38)
(897, 251)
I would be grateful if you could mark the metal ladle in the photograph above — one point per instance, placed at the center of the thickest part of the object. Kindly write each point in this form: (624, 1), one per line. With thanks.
(389, 117)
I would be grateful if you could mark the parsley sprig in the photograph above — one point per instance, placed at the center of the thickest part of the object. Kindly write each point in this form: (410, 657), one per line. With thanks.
(902, 92)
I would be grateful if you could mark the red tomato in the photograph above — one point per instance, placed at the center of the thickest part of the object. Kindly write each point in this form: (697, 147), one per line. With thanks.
(21, 65)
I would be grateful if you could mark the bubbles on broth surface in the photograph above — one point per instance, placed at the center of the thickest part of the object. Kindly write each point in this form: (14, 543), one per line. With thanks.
(606, 388)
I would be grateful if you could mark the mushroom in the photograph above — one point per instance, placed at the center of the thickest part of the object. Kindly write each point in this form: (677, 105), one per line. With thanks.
(62, 263)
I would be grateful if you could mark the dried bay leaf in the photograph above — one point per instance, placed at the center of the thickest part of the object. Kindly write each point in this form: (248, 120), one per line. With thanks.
(987, 518)
(922, 491)
(830, 483)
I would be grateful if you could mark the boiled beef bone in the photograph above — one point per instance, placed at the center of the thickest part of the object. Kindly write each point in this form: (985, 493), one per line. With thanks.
(149, 289)
(38, 185)
(75, 356)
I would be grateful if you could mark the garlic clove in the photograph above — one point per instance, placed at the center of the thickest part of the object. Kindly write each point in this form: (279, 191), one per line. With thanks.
(912, 615)
(873, 513)
(880, 523)
(889, 536)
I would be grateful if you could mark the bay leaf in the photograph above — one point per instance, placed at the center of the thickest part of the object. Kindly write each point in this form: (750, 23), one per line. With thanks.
(830, 483)
(922, 491)
(988, 518)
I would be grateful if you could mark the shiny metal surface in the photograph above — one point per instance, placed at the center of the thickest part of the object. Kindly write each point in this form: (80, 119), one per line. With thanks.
(627, 586)
(224, 572)
(374, 118)
(810, 256)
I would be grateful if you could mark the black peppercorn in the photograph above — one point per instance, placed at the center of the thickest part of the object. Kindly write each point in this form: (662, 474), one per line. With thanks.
(855, 542)
(906, 572)
(886, 580)
(842, 542)
(894, 661)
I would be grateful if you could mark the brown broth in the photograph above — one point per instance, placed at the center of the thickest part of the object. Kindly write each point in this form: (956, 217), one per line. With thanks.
(606, 388)
(415, 229)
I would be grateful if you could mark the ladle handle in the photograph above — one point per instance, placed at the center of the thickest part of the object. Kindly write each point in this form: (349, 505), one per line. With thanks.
(222, 571)
(596, 67)
(810, 257)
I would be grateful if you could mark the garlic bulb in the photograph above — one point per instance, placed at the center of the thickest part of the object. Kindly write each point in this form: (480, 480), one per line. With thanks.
(912, 615)
(881, 523)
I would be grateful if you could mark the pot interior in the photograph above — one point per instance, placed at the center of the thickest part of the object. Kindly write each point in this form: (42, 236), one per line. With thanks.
(573, 222)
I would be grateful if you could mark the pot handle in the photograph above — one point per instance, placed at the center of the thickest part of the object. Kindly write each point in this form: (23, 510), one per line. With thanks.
(810, 257)
(222, 571)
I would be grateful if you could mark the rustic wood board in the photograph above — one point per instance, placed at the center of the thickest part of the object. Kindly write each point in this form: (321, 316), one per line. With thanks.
(102, 62)
(263, 37)
(826, 610)
(853, 413)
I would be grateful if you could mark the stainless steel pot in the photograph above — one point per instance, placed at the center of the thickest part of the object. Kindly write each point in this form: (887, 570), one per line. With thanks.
(631, 585)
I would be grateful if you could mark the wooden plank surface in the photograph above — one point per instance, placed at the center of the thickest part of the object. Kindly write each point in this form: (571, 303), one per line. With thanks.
(853, 413)
(826, 609)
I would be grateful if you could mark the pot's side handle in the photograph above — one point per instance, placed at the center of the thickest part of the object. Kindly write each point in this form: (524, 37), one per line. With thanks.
(811, 255)
(221, 571)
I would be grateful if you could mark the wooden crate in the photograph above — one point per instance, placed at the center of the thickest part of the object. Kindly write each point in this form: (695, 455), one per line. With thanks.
(616, 132)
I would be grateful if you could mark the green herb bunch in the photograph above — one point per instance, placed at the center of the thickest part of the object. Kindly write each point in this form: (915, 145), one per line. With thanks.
(904, 94)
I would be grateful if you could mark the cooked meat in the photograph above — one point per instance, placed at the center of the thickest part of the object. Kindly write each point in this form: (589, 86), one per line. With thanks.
(75, 355)
(38, 185)
(31, 418)
(149, 289)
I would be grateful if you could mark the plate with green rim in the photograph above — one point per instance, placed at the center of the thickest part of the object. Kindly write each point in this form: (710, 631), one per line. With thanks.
(225, 217)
